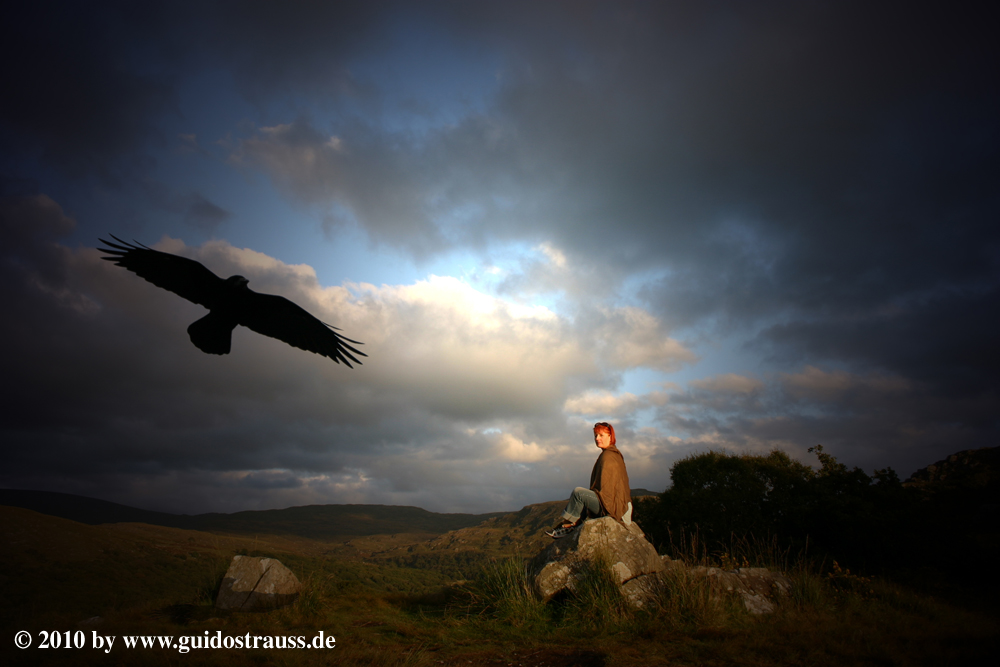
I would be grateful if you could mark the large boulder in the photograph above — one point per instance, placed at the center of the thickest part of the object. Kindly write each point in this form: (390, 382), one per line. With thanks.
(254, 584)
(564, 562)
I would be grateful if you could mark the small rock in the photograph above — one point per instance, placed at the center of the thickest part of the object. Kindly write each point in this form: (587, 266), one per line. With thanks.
(621, 572)
(758, 604)
(642, 590)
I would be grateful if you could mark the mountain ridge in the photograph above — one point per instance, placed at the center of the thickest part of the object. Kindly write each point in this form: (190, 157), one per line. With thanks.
(312, 521)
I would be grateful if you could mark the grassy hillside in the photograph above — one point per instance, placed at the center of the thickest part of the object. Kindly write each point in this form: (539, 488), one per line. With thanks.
(59, 572)
(460, 554)
(153, 580)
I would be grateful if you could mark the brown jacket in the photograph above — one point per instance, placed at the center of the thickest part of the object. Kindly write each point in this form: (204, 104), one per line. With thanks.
(609, 481)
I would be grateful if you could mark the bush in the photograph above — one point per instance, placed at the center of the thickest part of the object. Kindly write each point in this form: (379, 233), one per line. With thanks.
(718, 500)
(728, 495)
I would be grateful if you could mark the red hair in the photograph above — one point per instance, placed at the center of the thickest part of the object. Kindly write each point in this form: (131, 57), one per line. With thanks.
(607, 428)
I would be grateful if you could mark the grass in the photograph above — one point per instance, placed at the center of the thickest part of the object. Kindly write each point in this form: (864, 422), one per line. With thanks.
(748, 551)
(158, 582)
(506, 594)
(597, 604)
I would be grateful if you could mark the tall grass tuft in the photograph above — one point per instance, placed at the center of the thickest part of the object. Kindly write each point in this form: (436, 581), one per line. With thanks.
(506, 589)
(210, 580)
(314, 598)
(810, 590)
(597, 601)
(689, 601)
(753, 551)
(689, 547)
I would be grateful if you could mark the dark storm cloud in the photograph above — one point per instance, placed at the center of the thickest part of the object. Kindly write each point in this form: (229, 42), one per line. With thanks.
(83, 85)
(813, 155)
(872, 419)
(194, 208)
(88, 84)
(200, 212)
(825, 156)
(298, 47)
(946, 339)
(831, 132)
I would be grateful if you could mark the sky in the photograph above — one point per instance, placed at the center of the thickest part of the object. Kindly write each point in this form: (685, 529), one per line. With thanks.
(722, 226)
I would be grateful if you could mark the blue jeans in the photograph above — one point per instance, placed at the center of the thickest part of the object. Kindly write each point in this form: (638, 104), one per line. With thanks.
(579, 500)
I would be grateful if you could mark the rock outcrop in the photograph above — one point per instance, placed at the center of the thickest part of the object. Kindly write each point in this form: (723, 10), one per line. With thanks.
(757, 587)
(564, 562)
(644, 575)
(255, 584)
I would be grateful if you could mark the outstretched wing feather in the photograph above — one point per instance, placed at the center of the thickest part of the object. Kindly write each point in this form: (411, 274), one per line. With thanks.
(180, 275)
(277, 317)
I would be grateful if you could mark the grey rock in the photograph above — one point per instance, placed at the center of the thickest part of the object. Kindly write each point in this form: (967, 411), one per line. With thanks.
(757, 604)
(761, 581)
(621, 572)
(641, 572)
(254, 584)
(644, 590)
(758, 588)
(563, 562)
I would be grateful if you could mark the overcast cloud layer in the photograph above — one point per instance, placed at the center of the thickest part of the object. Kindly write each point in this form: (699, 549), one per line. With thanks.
(731, 226)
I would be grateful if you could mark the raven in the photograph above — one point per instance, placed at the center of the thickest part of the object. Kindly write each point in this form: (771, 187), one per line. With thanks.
(230, 302)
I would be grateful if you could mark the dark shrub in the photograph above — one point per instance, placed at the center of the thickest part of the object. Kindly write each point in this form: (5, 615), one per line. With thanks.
(837, 511)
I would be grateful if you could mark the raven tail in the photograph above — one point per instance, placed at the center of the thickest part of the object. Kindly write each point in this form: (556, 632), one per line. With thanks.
(213, 334)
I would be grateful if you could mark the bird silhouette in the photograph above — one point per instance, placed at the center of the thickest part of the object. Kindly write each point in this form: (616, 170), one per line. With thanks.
(230, 302)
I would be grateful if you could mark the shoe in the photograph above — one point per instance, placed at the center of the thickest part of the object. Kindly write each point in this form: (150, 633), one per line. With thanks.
(561, 531)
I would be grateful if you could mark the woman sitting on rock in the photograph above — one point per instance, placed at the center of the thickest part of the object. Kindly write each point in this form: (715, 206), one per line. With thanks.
(608, 494)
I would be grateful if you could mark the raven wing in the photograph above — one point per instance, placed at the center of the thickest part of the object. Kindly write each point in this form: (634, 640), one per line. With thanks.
(277, 317)
(179, 275)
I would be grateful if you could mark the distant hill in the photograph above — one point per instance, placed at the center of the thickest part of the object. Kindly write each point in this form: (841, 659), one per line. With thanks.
(85, 510)
(962, 489)
(322, 522)
(972, 469)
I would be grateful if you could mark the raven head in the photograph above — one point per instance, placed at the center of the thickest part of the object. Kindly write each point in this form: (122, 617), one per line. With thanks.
(237, 282)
